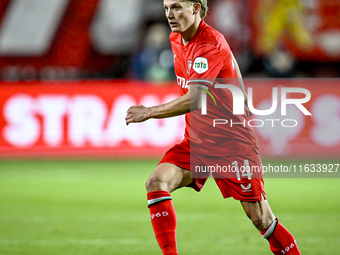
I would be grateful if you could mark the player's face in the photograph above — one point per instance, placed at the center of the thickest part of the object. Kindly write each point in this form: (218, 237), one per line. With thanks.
(180, 15)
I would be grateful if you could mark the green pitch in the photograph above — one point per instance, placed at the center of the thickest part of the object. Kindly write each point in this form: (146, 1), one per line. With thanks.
(99, 207)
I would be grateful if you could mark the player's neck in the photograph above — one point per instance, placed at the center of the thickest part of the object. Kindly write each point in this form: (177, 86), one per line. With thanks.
(190, 32)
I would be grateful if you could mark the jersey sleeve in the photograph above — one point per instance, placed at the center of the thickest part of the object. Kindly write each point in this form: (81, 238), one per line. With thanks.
(210, 63)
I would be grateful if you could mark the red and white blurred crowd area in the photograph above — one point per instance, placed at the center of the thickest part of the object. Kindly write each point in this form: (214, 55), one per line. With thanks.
(71, 39)
(87, 119)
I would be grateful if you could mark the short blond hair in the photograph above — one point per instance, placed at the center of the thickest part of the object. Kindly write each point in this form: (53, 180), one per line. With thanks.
(204, 7)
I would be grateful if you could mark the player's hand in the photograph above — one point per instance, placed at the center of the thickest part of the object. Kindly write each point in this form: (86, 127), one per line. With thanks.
(248, 112)
(136, 114)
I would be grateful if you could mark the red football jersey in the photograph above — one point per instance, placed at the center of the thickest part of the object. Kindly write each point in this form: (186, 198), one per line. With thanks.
(206, 59)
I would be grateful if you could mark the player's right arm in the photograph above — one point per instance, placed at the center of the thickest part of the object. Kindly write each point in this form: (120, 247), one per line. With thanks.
(188, 102)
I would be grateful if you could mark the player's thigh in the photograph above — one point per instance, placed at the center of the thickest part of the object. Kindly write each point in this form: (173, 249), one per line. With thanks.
(168, 177)
(259, 212)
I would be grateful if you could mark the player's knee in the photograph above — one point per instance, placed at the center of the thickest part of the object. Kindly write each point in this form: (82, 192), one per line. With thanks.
(153, 183)
(261, 222)
(257, 220)
(149, 183)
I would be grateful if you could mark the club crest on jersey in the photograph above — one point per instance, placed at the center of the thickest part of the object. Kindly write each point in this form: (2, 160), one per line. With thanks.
(189, 66)
(201, 65)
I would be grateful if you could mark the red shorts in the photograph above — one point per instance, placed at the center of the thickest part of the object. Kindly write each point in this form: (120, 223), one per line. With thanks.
(228, 172)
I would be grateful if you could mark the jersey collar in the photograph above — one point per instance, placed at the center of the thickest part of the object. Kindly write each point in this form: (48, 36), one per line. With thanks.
(200, 28)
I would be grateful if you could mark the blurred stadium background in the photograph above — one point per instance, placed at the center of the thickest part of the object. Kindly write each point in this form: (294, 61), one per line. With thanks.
(72, 174)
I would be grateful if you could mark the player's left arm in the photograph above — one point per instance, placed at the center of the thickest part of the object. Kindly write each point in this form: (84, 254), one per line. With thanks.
(188, 102)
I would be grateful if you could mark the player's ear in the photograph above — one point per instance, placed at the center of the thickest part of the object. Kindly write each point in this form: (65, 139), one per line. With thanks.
(197, 8)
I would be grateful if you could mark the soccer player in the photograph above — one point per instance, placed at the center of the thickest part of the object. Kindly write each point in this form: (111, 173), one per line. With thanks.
(201, 56)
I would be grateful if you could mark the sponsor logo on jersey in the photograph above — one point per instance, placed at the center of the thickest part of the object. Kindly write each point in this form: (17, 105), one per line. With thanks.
(189, 66)
(182, 82)
(201, 65)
